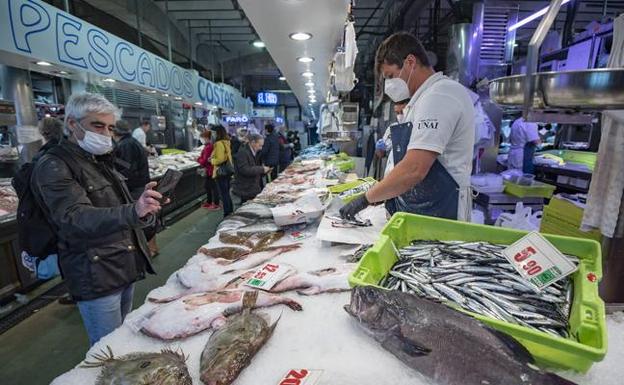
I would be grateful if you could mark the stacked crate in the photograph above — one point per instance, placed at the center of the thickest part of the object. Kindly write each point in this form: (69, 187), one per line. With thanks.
(562, 217)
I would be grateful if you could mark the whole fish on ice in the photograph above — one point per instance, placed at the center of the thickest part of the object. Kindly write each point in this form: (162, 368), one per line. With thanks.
(446, 346)
(331, 279)
(164, 368)
(232, 347)
(194, 313)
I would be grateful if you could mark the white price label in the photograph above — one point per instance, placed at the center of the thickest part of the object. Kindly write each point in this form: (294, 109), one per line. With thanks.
(267, 276)
(538, 261)
(299, 235)
(301, 377)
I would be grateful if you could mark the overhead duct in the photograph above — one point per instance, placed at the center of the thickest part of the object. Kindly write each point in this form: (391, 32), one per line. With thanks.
(463, 53)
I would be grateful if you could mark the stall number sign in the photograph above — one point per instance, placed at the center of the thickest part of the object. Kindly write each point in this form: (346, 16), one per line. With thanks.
(267, 98)
(301, 377)
(267, 276)
(538, 261)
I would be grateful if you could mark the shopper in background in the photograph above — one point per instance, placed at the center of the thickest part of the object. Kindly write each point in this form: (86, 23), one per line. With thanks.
(432, 149)
(524, 138)
(248, 169)
(285, 150)
(51, 129)
(222, 160)
(271, 150)
(140, 134)
(293, 137)
(212, 194)
(102, 250)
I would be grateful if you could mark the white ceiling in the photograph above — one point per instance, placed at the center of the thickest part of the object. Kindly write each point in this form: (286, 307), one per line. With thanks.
(275, 20)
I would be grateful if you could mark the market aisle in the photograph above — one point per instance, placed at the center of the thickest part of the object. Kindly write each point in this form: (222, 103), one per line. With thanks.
(53, 341)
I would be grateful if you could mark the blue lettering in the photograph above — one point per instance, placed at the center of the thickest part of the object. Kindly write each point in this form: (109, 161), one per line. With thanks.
(65, 38)
(35, 21)
(199, 89)
(218, 93)
(232, 105)
(162, 75)
(94, 37)
(210, 91)
(120, 48)
(176, 80)
(188, 84)
(145, 68)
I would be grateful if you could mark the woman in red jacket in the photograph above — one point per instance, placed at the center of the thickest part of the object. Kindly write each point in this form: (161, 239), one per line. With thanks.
(212, 201)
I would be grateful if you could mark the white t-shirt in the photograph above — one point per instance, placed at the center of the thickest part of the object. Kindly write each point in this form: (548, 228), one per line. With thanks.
(139, 135)
(443, 119)
(521, 133)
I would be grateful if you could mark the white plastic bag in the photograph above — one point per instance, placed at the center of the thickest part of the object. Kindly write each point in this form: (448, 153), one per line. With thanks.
(522, 219)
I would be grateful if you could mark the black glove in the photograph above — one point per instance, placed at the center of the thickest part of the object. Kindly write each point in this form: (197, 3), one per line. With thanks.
(349, 210)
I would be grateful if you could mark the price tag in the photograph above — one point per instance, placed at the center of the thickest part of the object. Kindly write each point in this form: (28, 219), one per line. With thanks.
(538, 261)
(299, 235)
(301, 377)
(267, 276)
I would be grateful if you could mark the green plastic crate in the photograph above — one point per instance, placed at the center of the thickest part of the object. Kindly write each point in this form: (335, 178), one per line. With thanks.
(587, 318)
(566, 210)
(557, 224)
(571, 156)
(538, 190)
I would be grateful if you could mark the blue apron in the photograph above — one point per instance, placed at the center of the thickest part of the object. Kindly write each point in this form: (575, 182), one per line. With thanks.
(527, 159)
(437, 195)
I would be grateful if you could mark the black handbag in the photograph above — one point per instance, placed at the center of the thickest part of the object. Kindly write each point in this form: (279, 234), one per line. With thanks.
(225, 170)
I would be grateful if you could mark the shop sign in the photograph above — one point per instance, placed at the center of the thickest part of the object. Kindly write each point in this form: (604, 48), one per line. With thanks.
(267, 99)
(37, 31)
(538, 261)
(267, 113)
(237, 119)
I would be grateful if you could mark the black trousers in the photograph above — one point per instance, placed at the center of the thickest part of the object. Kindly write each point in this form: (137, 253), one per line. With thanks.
(212, 193)
(223, 183)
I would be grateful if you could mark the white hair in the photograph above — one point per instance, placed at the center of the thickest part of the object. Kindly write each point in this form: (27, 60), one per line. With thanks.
(83, 103)
(255, 138)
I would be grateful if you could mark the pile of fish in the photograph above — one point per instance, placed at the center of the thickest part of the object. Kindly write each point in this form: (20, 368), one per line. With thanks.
(318, 151)
(444, 345)
(166, 367)
(476, 277)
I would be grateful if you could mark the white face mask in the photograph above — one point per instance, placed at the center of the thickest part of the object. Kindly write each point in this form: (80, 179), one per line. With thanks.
(94, 143)
(396, 88)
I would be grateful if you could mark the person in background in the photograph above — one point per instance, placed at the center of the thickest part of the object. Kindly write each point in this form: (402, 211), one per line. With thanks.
(140, 134)
(131, 162)
(248, 169)
(432, 149)
(524, 138)
(383, 146)
(51, 129)
(212, 194)
(101, 246)
(285, 151)
(221, 155)
(271, 150)
(293, 137)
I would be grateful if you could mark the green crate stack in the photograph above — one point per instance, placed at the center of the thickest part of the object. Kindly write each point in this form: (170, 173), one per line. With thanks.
(564, 218)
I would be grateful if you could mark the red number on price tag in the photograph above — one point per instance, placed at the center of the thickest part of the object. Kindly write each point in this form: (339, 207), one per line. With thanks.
(271, 268)
(524, 254)
(532, 268)
(260, 275)
(294, 377)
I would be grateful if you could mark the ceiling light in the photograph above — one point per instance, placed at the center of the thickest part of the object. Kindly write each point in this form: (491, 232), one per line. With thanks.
(109, 80)
(282, 78)
(307, 74)
(137, 90)
(166, 95)
(311, 91)
(151, 91)
(310, 84)
(305, 59)
(259, 44)
(300, 36)
(532, 17)
(178, 98)
(61, 72)
(198, 103)
(43, 63)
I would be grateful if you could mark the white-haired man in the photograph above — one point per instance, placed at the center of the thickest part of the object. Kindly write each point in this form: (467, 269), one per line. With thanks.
(101, 247)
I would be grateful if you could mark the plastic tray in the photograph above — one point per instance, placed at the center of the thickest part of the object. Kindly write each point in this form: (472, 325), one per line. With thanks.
(571, 156)
(587, 318)
(538, 190)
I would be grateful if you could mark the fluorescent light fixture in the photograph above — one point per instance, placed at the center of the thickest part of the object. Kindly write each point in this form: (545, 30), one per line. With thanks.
(259, 44)
(109, 80)
(310, 84)
(43, 63)
(198, 103)
(62, 72)
(305, 59)
(311, 91)
(307, 74)
(166, 95)
(137, 90)
(300, 36)
(178, 98)
(532, 17)
(151, 91)
(282, 78)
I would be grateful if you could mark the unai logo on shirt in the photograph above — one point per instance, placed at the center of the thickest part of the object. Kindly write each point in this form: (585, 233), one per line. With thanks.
(428, 124)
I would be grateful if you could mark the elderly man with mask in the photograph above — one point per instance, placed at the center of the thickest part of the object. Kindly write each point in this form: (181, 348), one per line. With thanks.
(432, 149)
(101, 247)
(248, 170)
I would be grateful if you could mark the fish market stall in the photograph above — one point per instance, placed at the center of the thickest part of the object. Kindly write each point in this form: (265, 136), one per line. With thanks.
(302, 329)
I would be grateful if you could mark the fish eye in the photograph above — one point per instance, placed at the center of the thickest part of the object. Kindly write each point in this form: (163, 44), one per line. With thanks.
(145, 364)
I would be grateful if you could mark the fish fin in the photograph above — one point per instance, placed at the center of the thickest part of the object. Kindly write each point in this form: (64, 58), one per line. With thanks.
(101, 358)
(218, 323)
(396, 342)
(518, 350)
(291, 303)
(249, 299)
(312, 290)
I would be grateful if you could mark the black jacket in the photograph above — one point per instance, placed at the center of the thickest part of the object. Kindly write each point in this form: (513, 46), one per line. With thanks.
(248, 171)
(131, 162)
(101, 246)
(271, 150)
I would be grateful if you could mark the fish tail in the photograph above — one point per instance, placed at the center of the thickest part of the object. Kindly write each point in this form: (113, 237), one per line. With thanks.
(291, 303)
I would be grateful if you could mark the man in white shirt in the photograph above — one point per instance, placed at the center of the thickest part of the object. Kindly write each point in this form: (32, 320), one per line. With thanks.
(524, 137)
(140, 133)
(433, 149)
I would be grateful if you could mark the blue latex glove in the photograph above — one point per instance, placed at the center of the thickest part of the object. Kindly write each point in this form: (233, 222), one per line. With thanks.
(380, 145)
